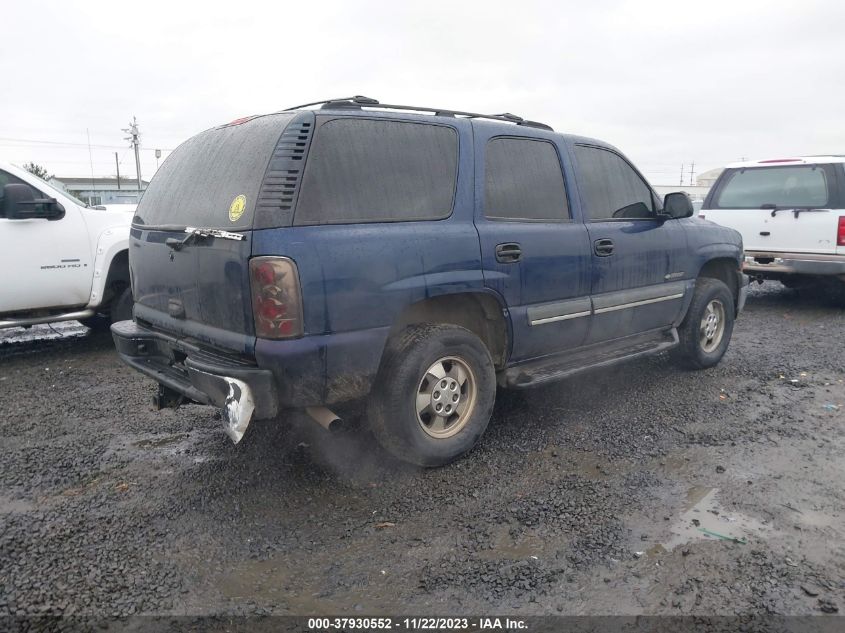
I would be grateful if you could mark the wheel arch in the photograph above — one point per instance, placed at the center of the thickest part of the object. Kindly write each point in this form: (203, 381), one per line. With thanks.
(111, 267)
(118, 275)
(725, 270)
(482, 313)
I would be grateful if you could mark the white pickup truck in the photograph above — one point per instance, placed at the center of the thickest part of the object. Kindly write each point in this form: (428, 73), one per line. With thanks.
(60, 260)
(791, 214)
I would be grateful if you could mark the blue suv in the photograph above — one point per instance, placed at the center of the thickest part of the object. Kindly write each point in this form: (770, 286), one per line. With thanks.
(416, 258)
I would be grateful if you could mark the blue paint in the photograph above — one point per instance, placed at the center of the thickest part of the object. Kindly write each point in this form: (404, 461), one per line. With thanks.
(357, 280)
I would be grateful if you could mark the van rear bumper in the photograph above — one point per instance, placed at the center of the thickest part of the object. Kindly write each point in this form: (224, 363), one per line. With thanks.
(196, 373)
(778, 264)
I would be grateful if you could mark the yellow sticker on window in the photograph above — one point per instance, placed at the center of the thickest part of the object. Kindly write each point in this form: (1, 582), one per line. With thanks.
(236, 209)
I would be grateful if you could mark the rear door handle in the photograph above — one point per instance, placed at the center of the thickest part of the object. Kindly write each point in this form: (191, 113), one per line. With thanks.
(603, 247)
(508, 253)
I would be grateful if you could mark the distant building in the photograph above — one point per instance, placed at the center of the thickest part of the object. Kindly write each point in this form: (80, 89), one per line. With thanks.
(707, 178)
(96, 191)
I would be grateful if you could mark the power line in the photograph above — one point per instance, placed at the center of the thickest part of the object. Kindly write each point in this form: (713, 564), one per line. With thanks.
(31, 142)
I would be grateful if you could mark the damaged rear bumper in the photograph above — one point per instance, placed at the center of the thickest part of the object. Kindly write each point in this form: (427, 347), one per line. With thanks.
(237, 386)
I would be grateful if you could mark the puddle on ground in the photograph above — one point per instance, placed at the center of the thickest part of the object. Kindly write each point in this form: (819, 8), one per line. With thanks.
(584, 464)
(183, 446)
(297, 588)
(704, 519)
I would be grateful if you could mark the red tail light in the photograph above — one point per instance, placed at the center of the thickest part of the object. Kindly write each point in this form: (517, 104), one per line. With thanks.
(840, 231)
(276, 298)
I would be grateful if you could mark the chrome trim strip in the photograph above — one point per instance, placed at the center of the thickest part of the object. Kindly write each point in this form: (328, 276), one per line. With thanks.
(561, 317)
(634, 304)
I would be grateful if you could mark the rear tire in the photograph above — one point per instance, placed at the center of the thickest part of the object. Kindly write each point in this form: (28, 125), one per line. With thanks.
(706, 330)
(434, 394)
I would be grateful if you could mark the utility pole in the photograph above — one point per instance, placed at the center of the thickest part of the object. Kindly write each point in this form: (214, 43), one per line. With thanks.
(134, 139)
(681, 183)
(117, 167)
(692, 174)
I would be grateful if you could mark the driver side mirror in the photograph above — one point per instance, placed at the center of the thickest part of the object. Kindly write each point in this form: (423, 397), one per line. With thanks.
(677, 205)
(20, 204)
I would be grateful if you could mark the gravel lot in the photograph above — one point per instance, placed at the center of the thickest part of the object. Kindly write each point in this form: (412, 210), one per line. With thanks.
(586, 497)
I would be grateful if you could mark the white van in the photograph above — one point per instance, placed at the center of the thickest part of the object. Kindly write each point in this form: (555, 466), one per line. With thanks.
(791, 214)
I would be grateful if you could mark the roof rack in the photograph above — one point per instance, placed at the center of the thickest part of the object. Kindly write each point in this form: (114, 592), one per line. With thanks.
(359, 101)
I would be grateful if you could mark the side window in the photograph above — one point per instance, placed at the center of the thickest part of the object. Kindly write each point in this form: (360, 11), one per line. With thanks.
(8, 179)
(523, 181)
(365, 170)
(610, 188)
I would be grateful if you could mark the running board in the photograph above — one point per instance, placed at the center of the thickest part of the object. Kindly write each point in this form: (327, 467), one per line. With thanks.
(51, 318)
(553, 368)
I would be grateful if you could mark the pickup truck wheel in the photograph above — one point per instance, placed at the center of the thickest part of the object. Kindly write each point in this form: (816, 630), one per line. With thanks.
(434, 394)
(706, 330)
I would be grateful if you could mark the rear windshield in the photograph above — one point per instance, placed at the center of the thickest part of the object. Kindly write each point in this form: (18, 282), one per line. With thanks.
(804, 186)
(212, 180)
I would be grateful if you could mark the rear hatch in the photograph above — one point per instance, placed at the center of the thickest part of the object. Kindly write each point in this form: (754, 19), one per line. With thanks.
(225, 182)
(792, 208)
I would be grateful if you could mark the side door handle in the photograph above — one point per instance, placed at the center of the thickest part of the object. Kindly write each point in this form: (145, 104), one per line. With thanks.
(508, 253)
(603, 247)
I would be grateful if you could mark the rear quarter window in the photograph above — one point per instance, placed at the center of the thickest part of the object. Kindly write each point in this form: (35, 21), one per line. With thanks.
(756, 187)
(367, 170)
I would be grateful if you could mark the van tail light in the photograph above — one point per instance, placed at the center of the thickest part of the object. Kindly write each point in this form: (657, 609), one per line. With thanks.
(840, 231)
(276, 297)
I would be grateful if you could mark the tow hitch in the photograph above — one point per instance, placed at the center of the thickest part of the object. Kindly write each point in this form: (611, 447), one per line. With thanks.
(168, 398)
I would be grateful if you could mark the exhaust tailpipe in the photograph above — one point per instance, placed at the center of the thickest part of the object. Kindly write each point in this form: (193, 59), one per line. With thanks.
(324, 417)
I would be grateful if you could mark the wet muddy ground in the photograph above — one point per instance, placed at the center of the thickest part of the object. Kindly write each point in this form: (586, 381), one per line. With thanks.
(643, 490)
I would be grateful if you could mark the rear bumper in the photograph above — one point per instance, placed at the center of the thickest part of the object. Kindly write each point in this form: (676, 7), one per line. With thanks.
(196, 373)
(779, 264)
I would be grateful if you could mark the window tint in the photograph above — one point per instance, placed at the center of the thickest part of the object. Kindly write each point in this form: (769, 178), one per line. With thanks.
(364, 170)
(202, 179)
(781, 186)
(610, 188)
(8, 179)
(523, 181)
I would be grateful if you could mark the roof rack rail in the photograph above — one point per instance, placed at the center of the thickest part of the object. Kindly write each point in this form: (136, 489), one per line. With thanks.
(359, 101)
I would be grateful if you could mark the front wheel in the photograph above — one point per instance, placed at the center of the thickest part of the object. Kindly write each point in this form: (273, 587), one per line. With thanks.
(434, 394)
(706, 330)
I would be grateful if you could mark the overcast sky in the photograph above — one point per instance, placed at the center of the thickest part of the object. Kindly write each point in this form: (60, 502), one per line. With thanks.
(667, 82)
